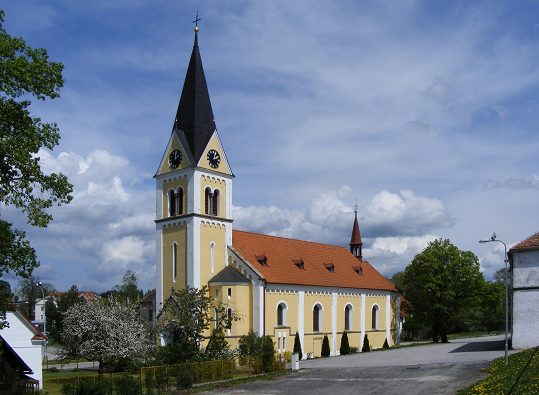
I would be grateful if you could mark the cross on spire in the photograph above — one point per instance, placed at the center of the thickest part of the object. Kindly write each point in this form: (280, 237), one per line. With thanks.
(196, 19)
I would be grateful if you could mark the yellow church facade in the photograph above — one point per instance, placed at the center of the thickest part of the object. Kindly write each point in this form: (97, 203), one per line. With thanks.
(277, 286)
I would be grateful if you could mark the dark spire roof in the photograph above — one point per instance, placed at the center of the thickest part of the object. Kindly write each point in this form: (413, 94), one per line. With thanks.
(355, 240)
(195, 116)
(356, 236)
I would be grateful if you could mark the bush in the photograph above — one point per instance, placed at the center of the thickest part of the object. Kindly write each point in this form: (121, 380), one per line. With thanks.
(268, 353)
(366, 345)
(260, 346)
(297, 346)
(161, 378)
(127, 385)
(184, 379)
(87, 387)
(149, 383)
(325, 347)
(386, 344)
(354, 350)
(345, 345)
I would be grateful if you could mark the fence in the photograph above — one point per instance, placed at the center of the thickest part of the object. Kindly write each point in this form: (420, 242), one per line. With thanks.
(167, 377)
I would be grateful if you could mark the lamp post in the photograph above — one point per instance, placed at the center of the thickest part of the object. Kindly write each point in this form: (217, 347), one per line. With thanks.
(493, 238)
(40, 285)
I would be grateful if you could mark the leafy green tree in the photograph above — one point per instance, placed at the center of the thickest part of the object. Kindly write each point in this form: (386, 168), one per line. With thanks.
(129, 288)
(25, 72)
(326, 351)
(185, 320)
(345, 344)
(398, 280)
(440, 282)
(297, 346)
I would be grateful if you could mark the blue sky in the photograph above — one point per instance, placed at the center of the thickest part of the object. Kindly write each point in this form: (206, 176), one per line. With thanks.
(423, 112)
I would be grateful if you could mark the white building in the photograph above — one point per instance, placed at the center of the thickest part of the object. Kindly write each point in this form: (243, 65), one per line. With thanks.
(26, 340)
(524, 258)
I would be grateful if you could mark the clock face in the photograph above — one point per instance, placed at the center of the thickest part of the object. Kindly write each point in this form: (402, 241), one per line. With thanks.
(213, 159)
(175, 158)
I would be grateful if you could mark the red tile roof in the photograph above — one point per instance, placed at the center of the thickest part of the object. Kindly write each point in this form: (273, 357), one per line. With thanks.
(531, 243)
(282, 254)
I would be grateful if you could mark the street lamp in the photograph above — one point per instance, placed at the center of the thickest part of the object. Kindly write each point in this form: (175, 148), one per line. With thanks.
(493, 238)
(40, 285)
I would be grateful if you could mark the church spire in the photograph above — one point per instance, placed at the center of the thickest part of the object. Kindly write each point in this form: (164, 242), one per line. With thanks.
(355, 241)
(195, 115)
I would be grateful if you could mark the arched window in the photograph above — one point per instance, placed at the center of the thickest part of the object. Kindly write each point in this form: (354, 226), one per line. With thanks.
(171, 203)
(208, 197)
(212, 249)
(179, 201)
(317, 318)
(215, 202)
(348, 317)
(375, 310)
(281, 314)
(174, 261)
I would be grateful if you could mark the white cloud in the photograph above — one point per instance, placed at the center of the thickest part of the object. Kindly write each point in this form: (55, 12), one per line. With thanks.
(389, 214)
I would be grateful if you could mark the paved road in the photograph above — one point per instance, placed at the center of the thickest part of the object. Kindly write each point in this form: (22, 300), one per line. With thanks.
(436, 369)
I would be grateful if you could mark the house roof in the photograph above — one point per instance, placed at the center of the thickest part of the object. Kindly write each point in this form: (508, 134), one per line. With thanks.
(195, 115)
(38, 335)
(531, 243)
(291, 261)
(90, 296)
(228, 275)
(149, 298)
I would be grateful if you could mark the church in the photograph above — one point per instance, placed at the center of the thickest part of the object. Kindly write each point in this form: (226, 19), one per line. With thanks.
(278, 286)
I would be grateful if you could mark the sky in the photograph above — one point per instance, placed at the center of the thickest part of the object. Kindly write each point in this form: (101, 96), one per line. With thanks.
(423, 113)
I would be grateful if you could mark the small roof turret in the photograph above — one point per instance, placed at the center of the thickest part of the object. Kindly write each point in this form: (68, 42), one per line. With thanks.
(355, 240)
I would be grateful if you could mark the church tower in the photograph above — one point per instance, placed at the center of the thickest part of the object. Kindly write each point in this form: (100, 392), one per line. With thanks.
(193, 193)
(355, 241)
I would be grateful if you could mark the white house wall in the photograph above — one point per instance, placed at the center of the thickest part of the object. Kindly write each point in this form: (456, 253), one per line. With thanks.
(525, 299)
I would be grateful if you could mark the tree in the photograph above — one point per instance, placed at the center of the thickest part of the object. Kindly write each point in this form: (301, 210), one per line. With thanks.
(185, 321)
(398, 280)
(297, 346)
(25, 72)
(28, 291)
(55, 312)
(129, 288)
(106, 331)
(440, 282)
(345, 344)
(326, 351)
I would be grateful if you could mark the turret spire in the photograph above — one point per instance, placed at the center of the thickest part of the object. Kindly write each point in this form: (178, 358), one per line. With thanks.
(355, 241)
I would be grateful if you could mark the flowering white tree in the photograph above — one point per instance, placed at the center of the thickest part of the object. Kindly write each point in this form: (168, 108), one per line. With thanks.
(105, 331)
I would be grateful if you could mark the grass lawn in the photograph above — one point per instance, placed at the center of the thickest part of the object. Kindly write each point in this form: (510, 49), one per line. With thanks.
(520, 377)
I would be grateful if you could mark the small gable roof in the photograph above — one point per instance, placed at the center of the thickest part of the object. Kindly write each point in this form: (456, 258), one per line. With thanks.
(323, 264)
(531, 243)
(228, 275)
